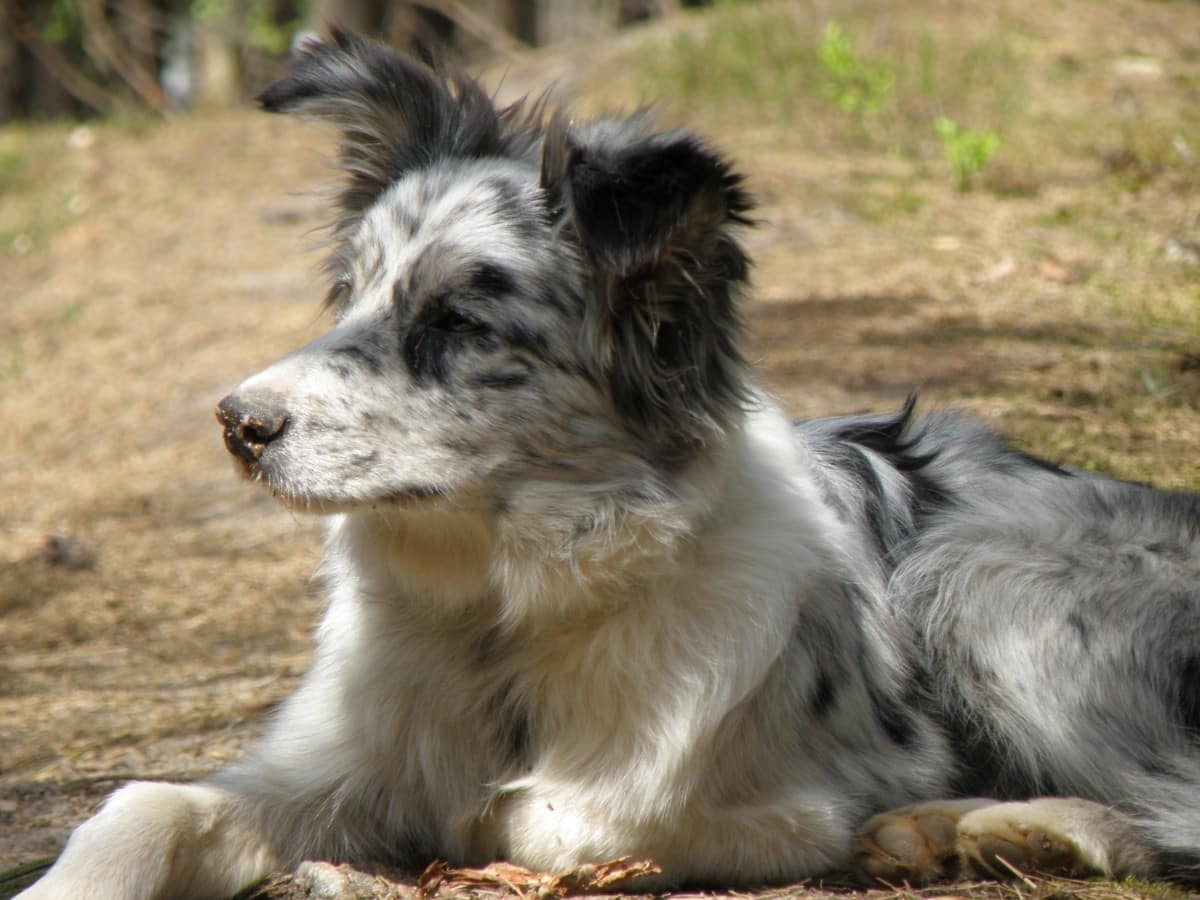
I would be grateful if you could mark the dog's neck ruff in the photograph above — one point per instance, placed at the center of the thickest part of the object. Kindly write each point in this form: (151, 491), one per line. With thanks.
(559, 553)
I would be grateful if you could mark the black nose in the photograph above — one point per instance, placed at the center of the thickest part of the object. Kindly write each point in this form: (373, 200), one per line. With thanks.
(250, 424)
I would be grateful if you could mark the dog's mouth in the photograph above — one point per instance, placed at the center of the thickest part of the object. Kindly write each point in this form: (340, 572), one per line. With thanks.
(412, 494)
(413, 498)
(246, 464)
(301, 501)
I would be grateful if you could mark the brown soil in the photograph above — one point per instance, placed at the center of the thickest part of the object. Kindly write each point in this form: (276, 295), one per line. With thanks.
(153, 606)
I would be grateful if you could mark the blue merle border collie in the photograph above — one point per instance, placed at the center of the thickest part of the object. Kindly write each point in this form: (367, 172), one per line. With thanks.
(591, 594)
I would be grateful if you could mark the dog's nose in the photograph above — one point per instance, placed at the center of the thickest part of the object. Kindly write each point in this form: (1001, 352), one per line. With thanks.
(250, 424)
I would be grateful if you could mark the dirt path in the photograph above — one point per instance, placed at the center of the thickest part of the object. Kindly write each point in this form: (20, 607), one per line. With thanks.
(152, 607)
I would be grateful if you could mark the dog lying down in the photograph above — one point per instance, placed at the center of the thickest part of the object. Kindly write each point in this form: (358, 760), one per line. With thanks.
(592, 595)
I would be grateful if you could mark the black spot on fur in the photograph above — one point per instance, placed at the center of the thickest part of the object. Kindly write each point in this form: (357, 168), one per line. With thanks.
(424, 352)
(361, 356)
(1187, 702)
(506, 713)
(890, 437)
(859, 447)
(514, 210)
(500, 381)
(521, 336)
(549, 295)
(461, 445)
(438, 332)
(492, 280)
(860, 452)
(1080, 628)
(875, 507)
(408, 849)
(1154, 765)
(929, 496)
(515, 740)
(824, 695)
(896, 722)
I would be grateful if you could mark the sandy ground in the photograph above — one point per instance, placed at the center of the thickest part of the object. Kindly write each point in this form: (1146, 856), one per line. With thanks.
(152, 606)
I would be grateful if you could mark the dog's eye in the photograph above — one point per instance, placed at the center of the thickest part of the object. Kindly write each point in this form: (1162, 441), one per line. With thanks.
(339, 293)
(454, 322)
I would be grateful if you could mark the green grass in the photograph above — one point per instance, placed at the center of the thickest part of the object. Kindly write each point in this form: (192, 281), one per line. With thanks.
(967, 152)
(739, 58)
(854, 85)
(868, 77)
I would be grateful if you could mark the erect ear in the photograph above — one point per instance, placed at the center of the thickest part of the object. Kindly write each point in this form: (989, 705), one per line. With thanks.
(656, 215)
(395, 114)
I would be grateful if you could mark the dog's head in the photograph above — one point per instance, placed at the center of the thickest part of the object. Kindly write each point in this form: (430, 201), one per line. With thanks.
(517, 297)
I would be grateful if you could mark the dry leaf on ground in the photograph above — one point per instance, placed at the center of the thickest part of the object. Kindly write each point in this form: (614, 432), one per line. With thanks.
(600, 878)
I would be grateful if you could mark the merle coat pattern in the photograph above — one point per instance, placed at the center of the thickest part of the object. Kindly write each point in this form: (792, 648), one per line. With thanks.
(591, 594)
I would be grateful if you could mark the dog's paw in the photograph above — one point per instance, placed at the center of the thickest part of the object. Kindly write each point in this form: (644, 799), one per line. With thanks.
(914, 844)
(986, 839)
(1052, 836)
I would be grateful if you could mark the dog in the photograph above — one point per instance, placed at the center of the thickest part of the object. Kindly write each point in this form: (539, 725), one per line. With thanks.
(591, 594)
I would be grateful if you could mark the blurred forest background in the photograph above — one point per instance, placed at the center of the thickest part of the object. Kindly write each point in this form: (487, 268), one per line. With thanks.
(87, 57)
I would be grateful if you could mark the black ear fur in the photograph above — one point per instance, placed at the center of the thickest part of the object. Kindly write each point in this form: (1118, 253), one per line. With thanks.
(629, 202)
(655, 215)
(396, 115)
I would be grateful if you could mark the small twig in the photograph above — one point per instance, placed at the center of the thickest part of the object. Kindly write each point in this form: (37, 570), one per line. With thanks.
(1017, 872)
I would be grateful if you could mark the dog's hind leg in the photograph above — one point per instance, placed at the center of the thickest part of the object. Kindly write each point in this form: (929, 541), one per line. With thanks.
(986, 839)
(160, 842)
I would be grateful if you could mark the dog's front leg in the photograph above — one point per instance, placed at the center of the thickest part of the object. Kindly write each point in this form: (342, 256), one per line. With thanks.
(159, 842)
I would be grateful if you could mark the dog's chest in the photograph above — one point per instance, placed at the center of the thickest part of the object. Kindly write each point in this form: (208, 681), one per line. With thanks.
(494, 738)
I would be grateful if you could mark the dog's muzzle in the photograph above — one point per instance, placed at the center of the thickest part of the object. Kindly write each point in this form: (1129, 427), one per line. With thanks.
(250, 425)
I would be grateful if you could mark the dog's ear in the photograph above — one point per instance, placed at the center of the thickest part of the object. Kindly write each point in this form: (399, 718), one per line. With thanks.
(395, 113)
(655, 216)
